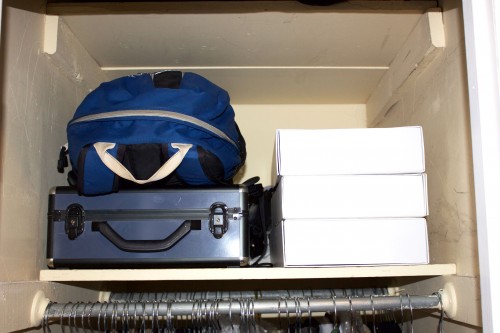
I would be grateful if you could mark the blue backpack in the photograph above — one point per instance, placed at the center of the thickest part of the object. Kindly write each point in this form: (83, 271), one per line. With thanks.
(162, 129)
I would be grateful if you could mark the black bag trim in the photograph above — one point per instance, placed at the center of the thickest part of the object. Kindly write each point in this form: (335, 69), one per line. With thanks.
(211, 165)
(81, 167)
(119, 156)
(167, 79)
(242, 147)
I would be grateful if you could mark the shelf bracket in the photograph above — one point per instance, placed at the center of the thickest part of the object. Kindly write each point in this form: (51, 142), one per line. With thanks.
(38, 306)
(50, 34)
(449, 300)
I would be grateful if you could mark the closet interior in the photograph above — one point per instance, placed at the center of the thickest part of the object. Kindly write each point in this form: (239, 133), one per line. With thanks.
(285, 64)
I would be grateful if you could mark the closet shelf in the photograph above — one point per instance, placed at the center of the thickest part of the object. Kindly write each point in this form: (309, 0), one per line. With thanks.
(275, 273)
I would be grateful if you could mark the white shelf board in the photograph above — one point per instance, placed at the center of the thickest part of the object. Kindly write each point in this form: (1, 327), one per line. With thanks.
(275, 273)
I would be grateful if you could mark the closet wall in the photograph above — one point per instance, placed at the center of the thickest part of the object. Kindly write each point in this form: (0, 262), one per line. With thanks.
(38, 96)
(40, 93)
(437, 100)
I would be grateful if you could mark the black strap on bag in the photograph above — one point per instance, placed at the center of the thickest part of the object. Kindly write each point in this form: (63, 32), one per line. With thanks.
(259, 216)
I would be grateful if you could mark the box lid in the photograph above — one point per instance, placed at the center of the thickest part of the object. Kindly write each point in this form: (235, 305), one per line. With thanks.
(350, 151)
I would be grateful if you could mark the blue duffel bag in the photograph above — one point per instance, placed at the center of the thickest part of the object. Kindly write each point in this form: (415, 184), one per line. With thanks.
(161, 129)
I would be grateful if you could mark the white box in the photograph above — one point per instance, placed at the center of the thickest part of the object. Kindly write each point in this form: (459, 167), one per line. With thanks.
(310, 242)
(349, 151)
(350, 196)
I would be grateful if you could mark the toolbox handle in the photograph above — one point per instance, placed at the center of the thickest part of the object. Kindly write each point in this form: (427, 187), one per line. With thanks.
(145, 245)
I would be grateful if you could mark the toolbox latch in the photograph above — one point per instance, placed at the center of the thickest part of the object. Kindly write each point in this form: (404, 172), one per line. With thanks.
(218, 219)
(75, 218)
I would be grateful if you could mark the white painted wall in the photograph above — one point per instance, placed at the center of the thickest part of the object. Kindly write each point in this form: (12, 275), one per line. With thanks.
(40, 95)
(437, 99)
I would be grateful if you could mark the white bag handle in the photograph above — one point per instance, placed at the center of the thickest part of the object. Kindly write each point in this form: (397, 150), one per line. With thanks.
(166, 169)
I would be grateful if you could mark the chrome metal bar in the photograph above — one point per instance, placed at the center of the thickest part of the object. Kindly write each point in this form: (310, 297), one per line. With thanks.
(243, 307)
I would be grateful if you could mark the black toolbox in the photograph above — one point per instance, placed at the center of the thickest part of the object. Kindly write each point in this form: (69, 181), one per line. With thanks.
(175, 227)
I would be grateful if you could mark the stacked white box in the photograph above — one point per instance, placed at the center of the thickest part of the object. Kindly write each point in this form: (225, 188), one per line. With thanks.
(350, 196)
(398, 150)
(350, 184)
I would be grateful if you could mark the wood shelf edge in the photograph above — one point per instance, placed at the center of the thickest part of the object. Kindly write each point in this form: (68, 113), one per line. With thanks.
(275, 273)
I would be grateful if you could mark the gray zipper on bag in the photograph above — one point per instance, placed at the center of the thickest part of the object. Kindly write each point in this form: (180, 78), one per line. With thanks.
(152, 113)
